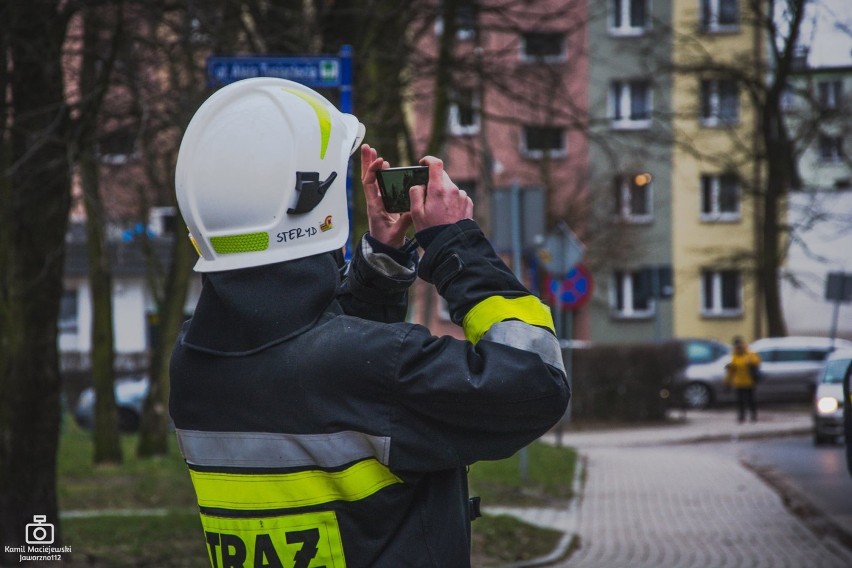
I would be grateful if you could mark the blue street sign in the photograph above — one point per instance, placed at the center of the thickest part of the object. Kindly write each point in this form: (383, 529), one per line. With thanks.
(314, 71)
(311, 71)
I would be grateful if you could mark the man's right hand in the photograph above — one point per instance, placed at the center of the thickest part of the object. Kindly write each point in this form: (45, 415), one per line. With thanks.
(443, 203)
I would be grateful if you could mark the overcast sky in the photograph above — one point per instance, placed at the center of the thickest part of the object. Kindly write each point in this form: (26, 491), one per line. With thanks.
(828, 32)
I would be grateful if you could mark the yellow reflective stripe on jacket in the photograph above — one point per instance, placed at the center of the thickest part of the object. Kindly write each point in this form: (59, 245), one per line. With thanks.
(495, 309)
(252, 491)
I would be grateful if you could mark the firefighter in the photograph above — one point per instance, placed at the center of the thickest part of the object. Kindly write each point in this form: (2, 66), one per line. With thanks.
(319, 428)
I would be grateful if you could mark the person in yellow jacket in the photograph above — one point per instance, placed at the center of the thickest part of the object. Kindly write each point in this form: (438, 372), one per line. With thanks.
(743, 374)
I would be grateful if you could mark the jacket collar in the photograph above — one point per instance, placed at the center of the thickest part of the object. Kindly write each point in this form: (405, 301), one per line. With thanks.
(241, 312)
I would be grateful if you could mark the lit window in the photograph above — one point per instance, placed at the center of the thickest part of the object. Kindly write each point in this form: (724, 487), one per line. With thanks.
(720, 15)
(721, 293)
(720, 197)
(633, 198)
(720, 102)
(464, 113)
(540, 141)
(630, 104)
(543, 46)
(630, 294)
(628, 17)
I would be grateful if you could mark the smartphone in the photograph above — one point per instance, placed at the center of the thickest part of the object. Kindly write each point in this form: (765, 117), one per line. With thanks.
(394, 184)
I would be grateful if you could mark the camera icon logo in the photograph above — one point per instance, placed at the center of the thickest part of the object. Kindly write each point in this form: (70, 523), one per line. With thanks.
(39, 531)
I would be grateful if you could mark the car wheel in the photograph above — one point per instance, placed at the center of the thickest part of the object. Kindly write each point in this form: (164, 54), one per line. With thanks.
(128, 420)
(697, 395)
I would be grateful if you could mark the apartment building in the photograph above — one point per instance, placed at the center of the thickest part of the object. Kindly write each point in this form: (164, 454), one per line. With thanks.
(516, 130)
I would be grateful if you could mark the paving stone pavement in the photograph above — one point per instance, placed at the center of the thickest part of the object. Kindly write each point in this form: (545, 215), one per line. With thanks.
(653, 500)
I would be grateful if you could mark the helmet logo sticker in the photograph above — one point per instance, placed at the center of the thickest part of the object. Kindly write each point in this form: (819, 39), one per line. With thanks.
(326, 225)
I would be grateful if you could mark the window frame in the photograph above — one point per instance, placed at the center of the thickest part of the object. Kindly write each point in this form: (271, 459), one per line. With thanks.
(558, 57)
(456, 127)
(68, 322)
(711, 12)
(717, 308)
(623, 209)
(715, 213)
(834, 144)
(712, 99)
(624, 287)
(830, 94)
(620, 16)
(621, 99)
(538, 154)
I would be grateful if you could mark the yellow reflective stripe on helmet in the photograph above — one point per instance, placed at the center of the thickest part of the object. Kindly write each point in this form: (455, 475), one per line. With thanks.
(246, 492)
(248, 242)
(489, 311)
(323, 116)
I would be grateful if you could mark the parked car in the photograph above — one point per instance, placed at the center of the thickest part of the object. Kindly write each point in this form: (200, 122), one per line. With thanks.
(130, 394)
(828, 400)
(790, 366)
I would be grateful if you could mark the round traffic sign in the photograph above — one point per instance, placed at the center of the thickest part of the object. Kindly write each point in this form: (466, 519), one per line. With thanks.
(573, 290)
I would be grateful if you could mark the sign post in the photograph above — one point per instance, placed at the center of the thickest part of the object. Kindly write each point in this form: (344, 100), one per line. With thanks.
(838, 288)
(314, 71)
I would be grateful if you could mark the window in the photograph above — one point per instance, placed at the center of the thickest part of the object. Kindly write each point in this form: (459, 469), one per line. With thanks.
(628, 17)
(793, 355)
(720, 102)
(830, 94)
(720, 293)
(720, 197)
(633, 198)
(464, 113)
(719, 15)
(630, 104)
(543, 140)
(68, 309)
(543, 46)
(830, 148)
(629, 295)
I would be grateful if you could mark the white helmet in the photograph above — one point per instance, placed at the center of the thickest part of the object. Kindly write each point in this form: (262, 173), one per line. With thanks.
(261, 174)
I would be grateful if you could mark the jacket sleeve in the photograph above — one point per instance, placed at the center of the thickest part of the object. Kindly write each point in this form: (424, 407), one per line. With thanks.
(375, 286)
(489, 396)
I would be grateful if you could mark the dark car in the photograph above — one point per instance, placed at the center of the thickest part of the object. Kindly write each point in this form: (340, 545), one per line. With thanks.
(130, 394)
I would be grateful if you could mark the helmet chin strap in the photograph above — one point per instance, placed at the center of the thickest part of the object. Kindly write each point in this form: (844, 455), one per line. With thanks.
(311, 191)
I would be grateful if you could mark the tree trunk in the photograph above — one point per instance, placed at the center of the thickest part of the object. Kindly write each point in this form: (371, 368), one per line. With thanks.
(106, 435)
(154, 427)
(95, 73)
(34, 203)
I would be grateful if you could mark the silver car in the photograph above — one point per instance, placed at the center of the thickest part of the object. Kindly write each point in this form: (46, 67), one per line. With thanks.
(828, 401)
(789, 366)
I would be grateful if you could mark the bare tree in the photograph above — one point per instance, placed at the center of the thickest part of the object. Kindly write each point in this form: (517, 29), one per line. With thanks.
(94, 77)
(34, 202)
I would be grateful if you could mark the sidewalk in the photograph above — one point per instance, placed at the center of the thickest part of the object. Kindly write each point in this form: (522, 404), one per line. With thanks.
(655, 497)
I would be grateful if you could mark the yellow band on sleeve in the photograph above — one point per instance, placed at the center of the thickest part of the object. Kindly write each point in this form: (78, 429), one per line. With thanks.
(495, 309)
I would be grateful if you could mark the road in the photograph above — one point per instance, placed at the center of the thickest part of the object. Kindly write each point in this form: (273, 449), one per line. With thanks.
(814, 479)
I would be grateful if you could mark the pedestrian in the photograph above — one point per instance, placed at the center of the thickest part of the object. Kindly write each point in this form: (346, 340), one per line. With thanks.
(743, 374)
(320, 428)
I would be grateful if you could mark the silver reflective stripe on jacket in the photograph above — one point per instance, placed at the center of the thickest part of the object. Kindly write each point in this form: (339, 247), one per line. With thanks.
(271, 450)
(529, 338)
